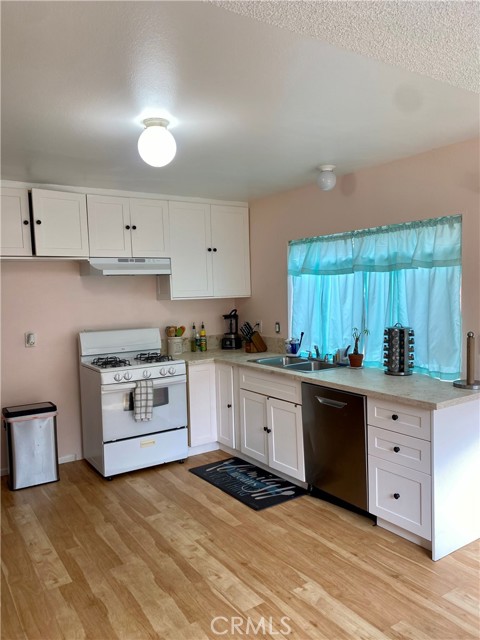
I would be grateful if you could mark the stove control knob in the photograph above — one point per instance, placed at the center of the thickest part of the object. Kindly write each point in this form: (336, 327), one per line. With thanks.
(163, 371)
(117, 377)
(128, 376)
(147, 373)
(171, 370)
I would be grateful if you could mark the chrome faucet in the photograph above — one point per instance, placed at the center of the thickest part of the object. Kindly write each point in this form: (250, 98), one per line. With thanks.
(317, 352)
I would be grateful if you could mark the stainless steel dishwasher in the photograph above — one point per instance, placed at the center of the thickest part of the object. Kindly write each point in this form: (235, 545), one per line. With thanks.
(334, 435)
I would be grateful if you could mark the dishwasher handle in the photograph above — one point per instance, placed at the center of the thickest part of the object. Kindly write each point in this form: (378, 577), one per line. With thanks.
(331, 403)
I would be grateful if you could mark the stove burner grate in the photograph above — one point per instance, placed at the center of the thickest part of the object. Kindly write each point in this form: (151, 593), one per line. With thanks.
(108, 362)
(152, 356)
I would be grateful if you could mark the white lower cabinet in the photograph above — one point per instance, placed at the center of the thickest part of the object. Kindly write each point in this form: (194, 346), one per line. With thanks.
(424, 473)
(399, 470)
(202, 423)
(224, 386)
(271, 428)
(401, 496)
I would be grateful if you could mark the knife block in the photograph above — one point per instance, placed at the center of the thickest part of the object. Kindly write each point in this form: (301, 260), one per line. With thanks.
(250, 347)
(258, 342)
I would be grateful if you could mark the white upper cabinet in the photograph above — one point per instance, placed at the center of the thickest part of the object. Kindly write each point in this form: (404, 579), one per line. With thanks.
(231, 246)
(150, 228)
(209, 250)
(127, 227)
(190, 241)
(15, 223)
(59, 223)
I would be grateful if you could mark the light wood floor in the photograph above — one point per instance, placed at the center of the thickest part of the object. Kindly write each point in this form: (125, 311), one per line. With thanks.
(160, 553)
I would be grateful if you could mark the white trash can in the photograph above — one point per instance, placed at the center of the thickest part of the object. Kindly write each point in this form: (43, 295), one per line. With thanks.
(31, 444)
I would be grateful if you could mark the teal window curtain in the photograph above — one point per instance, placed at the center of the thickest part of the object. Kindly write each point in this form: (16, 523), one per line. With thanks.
(408, 273)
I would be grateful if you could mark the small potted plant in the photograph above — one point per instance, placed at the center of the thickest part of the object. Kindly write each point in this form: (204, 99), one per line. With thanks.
(355, 357)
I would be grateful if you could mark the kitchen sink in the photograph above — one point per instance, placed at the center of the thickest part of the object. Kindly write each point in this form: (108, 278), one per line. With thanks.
(310, 365)
(294, 363)
(280, 361)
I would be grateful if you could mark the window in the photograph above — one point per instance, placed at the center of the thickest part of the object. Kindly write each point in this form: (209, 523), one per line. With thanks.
(408, 273)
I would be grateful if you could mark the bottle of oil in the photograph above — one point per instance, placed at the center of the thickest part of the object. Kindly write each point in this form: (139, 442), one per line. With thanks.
(203, 338)
(193, 339)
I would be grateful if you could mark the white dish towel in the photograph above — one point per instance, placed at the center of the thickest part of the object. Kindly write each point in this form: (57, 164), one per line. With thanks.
(143, 401)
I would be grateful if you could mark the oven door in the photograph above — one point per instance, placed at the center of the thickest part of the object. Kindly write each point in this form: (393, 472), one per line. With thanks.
(169, 409)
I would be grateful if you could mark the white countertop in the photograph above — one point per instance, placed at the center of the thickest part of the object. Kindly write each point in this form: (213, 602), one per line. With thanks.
(416, 390)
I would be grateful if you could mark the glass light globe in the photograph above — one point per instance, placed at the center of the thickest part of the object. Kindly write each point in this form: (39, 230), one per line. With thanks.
(326, 178)
(156, 145)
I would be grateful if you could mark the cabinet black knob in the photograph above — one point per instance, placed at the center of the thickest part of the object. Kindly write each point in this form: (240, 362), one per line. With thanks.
(396, 449)
(214, 249)
(229, 406)
(134, 227)
(209, 249)
(38, 221)
(127, 226)
(25, 222)
(269, 430)
(394, 417)
(265, 429)
(396, 496)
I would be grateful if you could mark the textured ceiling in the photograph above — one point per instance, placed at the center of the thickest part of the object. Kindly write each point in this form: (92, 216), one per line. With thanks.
(255, 106)
(436, 39)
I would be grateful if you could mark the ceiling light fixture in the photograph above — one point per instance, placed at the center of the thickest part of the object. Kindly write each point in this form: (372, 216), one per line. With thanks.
(156, 145)
(326, 178)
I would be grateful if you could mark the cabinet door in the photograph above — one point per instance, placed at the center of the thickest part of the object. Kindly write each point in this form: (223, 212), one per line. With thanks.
(191, 250)
(285, 439)
(231, 252)
(202, 426)
(15, 223)
(60, 223)
(253, 424)
(109, 227)
(225, 405)
(150, 228)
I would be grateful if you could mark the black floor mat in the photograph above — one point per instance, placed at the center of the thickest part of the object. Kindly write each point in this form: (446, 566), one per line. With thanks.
(251, 485)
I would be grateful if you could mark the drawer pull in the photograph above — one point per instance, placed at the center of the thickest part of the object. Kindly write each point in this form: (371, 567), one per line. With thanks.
(394, 417)
(396, 496)
(396, 449)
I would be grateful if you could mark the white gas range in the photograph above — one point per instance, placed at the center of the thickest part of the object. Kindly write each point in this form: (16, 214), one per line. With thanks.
(114, 366)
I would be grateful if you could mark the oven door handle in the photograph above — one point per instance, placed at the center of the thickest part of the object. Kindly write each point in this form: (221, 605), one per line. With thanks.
(118, 388)
(158, 383)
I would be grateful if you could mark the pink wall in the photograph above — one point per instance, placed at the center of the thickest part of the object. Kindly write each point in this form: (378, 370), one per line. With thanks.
(54, 301)
(441, 182)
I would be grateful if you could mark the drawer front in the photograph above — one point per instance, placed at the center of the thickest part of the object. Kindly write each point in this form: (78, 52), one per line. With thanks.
(400, 495)
(395, 447)
(271, 384)
(401, 418)
(145, 451)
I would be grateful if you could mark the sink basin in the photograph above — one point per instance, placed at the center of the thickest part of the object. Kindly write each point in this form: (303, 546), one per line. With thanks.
(280, 361)
(310, 365)
(294, 363)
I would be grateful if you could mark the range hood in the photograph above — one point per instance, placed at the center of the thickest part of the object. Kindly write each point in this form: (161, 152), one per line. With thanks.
(126, 267)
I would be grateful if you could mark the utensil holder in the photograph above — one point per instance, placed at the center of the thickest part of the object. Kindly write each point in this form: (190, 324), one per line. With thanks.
(398, 350)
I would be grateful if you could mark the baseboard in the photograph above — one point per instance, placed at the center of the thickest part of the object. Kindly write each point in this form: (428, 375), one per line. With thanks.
(202, 448)
(70, 458)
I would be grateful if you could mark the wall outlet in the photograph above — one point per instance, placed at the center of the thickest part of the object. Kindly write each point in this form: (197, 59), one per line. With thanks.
(30, 339)
(277, 327)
